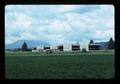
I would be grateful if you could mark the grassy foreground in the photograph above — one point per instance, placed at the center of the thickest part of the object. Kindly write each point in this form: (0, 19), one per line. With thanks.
(20, 65)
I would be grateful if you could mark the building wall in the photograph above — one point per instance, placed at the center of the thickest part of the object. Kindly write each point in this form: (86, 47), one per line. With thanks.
(38, 48)
(67, 47)
(53, 47)
(101, 45)
(35, 51)
(94, 47)
(60, 47)
(75, 47)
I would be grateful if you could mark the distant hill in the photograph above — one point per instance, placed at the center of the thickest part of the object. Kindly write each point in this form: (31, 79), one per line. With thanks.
(30, 44)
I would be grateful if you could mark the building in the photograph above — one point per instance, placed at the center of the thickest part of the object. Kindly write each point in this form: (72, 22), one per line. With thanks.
(60, 47)
(98, 46)
(75, 47)
(65, 47)
(37, 48)
(94, 46)
(71, 47)
(46, 47)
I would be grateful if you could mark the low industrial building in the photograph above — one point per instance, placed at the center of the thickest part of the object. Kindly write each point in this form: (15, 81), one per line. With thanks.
(65, 47)
(94, 46)
(75, 47)
(98, 46)
(60, 47)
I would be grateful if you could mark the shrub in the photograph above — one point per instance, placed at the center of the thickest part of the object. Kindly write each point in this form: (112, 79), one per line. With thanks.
(49, 51)
(84, 50)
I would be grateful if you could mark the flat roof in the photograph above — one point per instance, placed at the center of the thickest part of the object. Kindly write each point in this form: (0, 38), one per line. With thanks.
(95, 44)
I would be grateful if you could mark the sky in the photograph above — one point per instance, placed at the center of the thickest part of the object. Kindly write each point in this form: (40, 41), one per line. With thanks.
(59, 24)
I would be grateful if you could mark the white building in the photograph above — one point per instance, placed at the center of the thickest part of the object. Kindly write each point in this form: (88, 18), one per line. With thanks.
(37, 48)
(67, 47)
(64, 47)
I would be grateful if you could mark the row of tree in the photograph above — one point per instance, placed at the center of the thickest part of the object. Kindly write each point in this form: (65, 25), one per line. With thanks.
(24, 47)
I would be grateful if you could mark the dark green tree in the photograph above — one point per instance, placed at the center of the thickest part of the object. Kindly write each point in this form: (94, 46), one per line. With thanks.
(111, 44)
(91, 42)
(24, 47)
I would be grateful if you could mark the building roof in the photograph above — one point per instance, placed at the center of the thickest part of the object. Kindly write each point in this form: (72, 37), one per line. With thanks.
(96, 44)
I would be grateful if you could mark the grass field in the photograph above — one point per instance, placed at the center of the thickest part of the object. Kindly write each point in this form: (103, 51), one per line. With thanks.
(98, 65)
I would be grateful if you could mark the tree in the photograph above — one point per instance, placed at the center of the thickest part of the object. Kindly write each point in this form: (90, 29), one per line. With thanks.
(24, 47)
(91, 42)
(111, 44)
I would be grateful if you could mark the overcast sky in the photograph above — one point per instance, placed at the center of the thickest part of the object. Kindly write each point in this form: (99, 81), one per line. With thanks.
(58, 24)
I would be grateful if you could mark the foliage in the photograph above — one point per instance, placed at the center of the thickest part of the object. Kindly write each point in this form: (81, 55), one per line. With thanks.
(91, 42)
(84, 50)
(49, 51)
(111, 44)
(24, 47)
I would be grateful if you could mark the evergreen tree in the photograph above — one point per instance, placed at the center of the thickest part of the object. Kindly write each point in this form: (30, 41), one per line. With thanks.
(24, 47)
(91, 42)
(111, 44)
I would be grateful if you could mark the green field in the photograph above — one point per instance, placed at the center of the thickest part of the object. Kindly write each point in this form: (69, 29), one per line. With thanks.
(95, 65)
